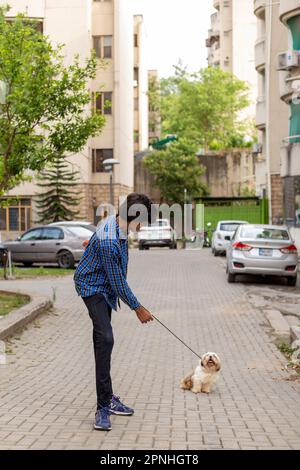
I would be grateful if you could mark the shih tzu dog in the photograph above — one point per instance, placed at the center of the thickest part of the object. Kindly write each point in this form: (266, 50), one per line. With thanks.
(205, 374)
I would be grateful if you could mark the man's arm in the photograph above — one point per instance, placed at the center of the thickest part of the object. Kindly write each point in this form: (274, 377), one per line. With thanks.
(118, 281)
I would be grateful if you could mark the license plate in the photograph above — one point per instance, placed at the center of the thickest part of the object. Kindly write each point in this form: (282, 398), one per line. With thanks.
(265, 252)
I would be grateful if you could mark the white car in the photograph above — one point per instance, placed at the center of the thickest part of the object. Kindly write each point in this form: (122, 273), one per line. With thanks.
(225, 229)
(158, 234)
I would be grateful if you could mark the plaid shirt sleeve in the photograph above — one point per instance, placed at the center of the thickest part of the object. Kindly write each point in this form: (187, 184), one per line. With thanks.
(117, 279)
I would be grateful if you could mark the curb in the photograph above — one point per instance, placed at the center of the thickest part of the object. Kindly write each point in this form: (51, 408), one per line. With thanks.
(20, 317)
(280, 326)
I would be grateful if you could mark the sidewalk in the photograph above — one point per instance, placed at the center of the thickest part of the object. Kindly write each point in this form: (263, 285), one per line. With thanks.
(47, 396)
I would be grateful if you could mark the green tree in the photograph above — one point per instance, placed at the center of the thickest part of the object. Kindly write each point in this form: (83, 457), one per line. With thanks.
(43, 107)
(58, 199)
(175, 169)
(204, 107)
(154, 103)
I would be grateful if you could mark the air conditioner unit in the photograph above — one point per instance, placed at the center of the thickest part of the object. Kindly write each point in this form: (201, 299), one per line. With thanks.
(288, 60)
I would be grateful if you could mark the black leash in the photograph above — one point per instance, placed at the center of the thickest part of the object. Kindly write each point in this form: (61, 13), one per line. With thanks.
(176, 336)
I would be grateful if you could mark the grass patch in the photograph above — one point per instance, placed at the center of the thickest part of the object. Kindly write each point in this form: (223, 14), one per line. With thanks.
(286, 350)
(8, 302)
(40, 271)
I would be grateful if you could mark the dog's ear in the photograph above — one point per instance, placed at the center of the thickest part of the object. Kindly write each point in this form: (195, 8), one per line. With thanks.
(218, 368)
(202, 363)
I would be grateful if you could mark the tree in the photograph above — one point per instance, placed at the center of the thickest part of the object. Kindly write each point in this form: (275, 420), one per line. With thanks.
(59, 197)
(154, 104)
(44, 110)
(204, 107)
(175, 169)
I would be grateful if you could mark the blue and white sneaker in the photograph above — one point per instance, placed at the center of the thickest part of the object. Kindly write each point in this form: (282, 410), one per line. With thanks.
(118, 408)
(102, 421)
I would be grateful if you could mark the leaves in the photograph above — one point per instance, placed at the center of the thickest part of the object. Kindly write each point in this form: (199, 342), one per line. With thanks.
(46, 108)
(59, 199)
(204, 107)
(175, 169)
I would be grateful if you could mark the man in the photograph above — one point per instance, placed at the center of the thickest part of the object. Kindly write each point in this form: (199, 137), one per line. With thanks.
(100, 279)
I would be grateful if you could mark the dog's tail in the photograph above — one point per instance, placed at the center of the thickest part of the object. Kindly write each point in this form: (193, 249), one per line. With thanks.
(187, 383)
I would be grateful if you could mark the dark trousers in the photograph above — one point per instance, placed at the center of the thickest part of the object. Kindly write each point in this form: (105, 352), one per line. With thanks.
(100, 314)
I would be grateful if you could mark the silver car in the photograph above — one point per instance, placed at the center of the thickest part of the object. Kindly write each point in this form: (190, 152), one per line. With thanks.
(263, 250)
(50, 244)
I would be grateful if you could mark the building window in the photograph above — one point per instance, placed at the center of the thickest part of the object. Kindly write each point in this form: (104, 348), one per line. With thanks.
(136, 137)
(98, 157)
(102, 102)
(136, 74)
(136, 104)
(15, 215)
(103, 46)
(295, 123)
(38, 24)
(136, 40)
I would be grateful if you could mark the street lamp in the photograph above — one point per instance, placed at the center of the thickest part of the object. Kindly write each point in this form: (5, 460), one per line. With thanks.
(108, 165)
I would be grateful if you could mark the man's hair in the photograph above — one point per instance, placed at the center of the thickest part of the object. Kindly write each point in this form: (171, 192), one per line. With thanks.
(137, 206)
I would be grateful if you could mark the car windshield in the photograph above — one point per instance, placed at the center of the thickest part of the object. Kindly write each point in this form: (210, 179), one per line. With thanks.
(258, 233)
(160, 223)
(229, 227)
(80, 231)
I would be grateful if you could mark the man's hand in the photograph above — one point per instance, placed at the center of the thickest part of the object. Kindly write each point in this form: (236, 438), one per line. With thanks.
(143, 315)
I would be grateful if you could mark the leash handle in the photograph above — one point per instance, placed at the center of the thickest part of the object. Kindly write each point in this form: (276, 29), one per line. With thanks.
(199, 357)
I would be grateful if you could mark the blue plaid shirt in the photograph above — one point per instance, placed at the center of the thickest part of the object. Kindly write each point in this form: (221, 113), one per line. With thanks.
(103, 266)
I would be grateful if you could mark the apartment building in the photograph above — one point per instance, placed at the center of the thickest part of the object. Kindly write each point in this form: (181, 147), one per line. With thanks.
(230, 42)
(289, 91)
(154, 106)
(140, 86)
(110, 28)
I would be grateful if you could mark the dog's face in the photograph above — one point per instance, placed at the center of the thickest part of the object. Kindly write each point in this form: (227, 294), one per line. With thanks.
(210, 362)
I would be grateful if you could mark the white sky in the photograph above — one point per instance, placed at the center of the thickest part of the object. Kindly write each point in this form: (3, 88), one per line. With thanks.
(175, 29)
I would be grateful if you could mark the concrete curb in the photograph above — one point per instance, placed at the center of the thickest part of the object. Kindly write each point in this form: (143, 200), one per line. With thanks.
(280, 326)
(20, 317)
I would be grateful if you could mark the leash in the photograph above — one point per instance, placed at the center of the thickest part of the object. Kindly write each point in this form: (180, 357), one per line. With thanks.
(175, 336)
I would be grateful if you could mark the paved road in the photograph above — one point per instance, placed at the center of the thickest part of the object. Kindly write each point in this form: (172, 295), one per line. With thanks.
(47, 396)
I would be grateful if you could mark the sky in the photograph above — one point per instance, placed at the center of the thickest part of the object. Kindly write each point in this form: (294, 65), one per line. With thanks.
(176, 29)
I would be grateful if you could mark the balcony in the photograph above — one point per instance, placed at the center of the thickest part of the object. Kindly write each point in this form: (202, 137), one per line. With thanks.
(259, 8)
(216, 4)
(288, 9)
(260, 54)
(288, 85)
(289, 158)
(261, 113)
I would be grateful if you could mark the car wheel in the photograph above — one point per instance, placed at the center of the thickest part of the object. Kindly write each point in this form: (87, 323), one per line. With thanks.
(215, 253)
(292, 281)
(141, 247)
(230, 277)
(27, 264)
(65, 260)
(175, 246)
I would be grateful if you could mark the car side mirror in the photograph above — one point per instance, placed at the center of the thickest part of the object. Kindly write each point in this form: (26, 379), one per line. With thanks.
(228, 238)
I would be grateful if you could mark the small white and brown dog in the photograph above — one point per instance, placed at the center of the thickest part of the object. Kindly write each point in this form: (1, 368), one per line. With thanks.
(204, 376)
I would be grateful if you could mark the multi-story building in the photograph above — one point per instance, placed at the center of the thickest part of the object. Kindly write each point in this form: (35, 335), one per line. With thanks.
(154, 106)
(230, 42)
(289, 77)
(140, 86)
(108, 27)
(271, 114)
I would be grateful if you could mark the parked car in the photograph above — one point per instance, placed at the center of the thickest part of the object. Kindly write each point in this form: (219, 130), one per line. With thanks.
(50, 244)
(160, 233)
(263, 250)
(224, 229)
(76, 223)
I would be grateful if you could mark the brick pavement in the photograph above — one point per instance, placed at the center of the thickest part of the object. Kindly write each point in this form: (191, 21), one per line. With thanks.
(47, 395)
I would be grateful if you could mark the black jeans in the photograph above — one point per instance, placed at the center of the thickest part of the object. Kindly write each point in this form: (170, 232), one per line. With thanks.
(100, 313)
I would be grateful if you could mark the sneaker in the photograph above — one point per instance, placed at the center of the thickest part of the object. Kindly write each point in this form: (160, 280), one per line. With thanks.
(102, 421)
(118, 408)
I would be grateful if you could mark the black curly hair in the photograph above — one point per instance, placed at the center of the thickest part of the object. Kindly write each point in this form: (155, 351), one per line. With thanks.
(144, 208)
